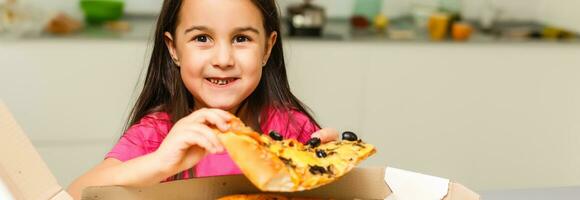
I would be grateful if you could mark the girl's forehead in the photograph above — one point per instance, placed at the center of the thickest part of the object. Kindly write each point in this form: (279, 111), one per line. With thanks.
(219, 14)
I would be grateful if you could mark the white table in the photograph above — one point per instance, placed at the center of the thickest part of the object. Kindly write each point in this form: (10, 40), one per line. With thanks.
(564, 193)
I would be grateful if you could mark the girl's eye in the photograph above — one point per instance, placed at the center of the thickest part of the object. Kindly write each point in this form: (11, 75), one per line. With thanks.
(240, 39)
(201, 38)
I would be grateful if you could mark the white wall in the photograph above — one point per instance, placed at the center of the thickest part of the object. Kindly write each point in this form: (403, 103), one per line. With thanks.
(561, 13)
(71, 7)
(143, 6)
(512, 10)
(492, 116)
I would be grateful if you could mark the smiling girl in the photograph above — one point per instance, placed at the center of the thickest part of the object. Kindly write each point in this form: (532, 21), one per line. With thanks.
(211, 60)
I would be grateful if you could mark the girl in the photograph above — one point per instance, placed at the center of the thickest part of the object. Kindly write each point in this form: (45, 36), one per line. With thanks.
(210, 58)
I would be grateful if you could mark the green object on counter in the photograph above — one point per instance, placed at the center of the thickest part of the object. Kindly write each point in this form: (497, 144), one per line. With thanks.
(368, 8)
(99, 11)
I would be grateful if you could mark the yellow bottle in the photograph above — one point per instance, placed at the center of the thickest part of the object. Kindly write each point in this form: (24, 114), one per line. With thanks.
(381, 22)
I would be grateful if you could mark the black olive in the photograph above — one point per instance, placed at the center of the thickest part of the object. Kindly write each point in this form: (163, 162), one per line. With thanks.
(317, 170)
(275, 136)
(350, 136)
(320, 153)
(286, 161)
(329, 170)
(313, 142)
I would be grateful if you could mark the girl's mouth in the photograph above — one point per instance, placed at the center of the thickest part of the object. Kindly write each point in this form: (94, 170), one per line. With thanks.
(221, 81)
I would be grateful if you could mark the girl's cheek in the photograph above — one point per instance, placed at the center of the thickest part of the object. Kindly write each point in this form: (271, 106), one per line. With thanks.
(251, 58)
(197, 58)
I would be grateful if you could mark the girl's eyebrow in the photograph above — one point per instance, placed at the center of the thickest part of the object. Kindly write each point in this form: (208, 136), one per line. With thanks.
(248, 28)
(237, 30)
(201, 28)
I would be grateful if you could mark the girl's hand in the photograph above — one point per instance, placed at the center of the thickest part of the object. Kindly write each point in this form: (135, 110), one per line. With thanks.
(190, 139)
(326, 135)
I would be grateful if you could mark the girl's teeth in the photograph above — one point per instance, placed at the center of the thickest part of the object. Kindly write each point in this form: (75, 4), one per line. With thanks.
(219, 82)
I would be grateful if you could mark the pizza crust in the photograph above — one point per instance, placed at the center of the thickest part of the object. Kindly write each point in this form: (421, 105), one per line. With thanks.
(262, 197)
(249, 156)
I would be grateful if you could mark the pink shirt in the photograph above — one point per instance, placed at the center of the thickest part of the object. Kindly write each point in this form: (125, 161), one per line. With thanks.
(146, 136)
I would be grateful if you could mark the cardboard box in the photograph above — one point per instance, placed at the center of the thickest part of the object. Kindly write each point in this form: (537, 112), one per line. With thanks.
(21, 168)
(361, 183)
(27, 177)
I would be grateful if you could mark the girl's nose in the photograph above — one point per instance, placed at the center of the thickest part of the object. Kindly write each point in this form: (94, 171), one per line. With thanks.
(223, 57)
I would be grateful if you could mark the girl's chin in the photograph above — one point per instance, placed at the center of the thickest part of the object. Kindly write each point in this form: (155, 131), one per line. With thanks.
(227, 102)
(223, 106)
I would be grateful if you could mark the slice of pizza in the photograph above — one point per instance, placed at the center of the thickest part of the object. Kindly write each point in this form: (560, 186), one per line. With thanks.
(253, 197)
(272, 163)
(263, 197)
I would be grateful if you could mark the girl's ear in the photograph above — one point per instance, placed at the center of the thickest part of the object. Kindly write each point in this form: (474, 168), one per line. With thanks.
(269, 45)
(169, 42)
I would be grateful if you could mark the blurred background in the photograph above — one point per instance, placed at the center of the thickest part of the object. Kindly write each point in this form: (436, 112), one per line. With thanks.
(484, 92)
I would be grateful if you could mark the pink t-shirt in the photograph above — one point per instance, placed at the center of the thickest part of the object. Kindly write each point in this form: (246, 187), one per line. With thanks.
(146, 136)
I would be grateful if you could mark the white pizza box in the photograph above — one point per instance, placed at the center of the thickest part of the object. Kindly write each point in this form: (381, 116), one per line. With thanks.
(26, 176)
(360, 183)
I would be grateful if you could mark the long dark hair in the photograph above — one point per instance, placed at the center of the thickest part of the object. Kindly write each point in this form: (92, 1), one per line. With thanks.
(164, 90)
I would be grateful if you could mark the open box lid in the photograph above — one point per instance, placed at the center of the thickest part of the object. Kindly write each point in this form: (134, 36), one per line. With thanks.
(360, 183)
(22, 170)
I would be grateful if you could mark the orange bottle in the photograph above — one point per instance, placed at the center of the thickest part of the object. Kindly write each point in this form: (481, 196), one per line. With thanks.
(438, 26)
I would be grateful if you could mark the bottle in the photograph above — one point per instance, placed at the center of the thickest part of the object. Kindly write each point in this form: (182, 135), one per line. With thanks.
(488, 14)
(453, 9)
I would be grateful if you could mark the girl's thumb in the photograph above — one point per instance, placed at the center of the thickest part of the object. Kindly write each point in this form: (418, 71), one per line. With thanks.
(326, 135)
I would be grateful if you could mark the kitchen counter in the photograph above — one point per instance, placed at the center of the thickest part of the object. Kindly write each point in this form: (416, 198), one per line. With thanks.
(141, 28)
(336, 30)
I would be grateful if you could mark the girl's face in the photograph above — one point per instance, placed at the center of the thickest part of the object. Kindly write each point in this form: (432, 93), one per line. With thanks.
(220, 47)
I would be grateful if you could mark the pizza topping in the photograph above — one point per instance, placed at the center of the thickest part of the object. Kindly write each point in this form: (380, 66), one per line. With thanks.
(320, 153)
(275, 136)
(358, 144)
(329, 169)
(317, 170)
(287, 161)
(313, 142)
(291, 143)
(350, 136)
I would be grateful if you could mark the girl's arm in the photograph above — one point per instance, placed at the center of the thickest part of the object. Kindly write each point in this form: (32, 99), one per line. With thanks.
(141, 171)
(186, 144)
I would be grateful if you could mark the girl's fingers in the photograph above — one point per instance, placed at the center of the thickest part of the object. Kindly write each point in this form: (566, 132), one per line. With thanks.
(224, 114)
(216, 117)
(326, 135)
(199, 140)
(210, 136)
